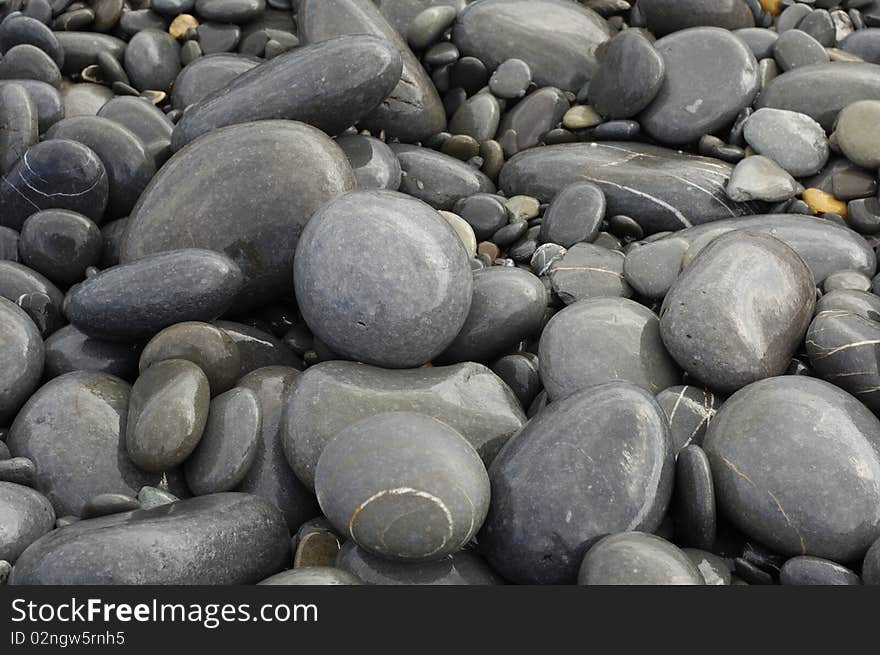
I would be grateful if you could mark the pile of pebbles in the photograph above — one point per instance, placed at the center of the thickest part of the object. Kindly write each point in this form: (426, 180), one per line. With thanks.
(439, 292)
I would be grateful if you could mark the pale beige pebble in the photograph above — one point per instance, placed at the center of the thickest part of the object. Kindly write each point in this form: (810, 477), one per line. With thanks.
(464, 231)
(581, 117)
(522, 208)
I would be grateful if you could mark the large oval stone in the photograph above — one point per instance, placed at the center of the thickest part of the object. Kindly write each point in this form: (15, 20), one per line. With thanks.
(556, 39)
(332, 395)
(136, 300)
(413, 111)
(661, 189)
(405, 295)
(598, 462)
(246, 191)
(68, 350)
(710, 76)
(50, 107)
(739, 311)
(72, 429)
(207, 74)
(330, 85)
(403, 486)
(229, 538)
(796, 466)
(665, 16)
(22, 356)
(822, 90)
(636, 558)
(25, 516)
(601, 340)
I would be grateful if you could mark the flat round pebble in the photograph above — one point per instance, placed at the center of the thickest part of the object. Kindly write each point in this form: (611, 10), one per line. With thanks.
(511, 79)
(60, 244)
(409, 472)
(793, 140)
(574, 215)
(636, 558)
(856, 133)
(805, 570)
(629, 76)
(374, 164)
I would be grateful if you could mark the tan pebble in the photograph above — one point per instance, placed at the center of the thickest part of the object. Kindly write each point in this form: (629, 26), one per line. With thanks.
(181, 24)
(522, 208)
(822, 203)
(771, 6)
(489, 248)
(581, 117)
(464, 231)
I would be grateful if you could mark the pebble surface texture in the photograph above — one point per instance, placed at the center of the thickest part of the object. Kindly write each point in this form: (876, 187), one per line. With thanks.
(440, 292)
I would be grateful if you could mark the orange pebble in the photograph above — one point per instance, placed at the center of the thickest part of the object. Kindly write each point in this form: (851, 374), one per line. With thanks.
(181, 24)
(771, 6)
(822, 203)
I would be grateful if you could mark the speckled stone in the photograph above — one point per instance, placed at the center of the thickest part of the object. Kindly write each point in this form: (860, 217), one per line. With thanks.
(594, 463)
(806, 570)
(412, 111)
(258, 230)
(655, 186)
(438, 179)
(25, 516)
(748, 327)
(332, 395)
(637, 558)
(167, 414)
(228, 446)
(689, 410)
(363, 69)
(796, 463)
(395, 316)
(21, 359)
(556, 39)
(56, 174)
(270, 475)
(313, 575)
(508, 306)
(374, 164)
(220, 539)
(601, 340)
(710, 76)
(461, 568)
(205, 345)
(407, 471)
(72, 429)
(137, 300)
(629, 76)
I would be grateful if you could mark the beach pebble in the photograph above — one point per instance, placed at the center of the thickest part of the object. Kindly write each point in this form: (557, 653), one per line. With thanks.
(636, 558)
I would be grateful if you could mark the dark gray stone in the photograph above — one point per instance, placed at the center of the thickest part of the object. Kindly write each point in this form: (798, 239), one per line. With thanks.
(25, 516)
(484, 212)
(871, 565)
(152, 60)
(596, 462)
(711, 75)
(403, 486)
(374, 164)
(655, 186)
(313, 575)
(461, 568)
(18, 470)
(853, 280)
(841, 84)
(519, 371)
(166, 415)
(761, 178)
(257, 229)
(28, 62)
(363, 71)
(395, 316)
(205, 345)
(511, 79)
(429, 25)
(106, 504)
(129, 166)
(21, 358)
(8, 244)
(138, 299)
(713, 569)
(228, 446)
(694, 499)
(270, 475)
(230, 11)
(796, 463)
(820, 26)
(665, 16)
(601, 340)
(589, 271)
(856, 133)
(532, 118)
(556, 39)
(438, 179)
(575, 214)
(38, 297)
(689, 410)
(84, 99)
(412, 111)
(865, 43)
(797, 49)
(81, 49)
(146, 121)
(637, 558)
(50, 107)
(793, 140)
(72, 429)
(478, 117)
(56, 174)
(332, 395)
(60, 244)
(508, 306)
(739, 311)
(866, 305)
(68, 350)
(257, 348)
(19, 127)
(229, 538)
(759, 40)
(206, 75)
(629, 77)
(21, 29)
(806, 570)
